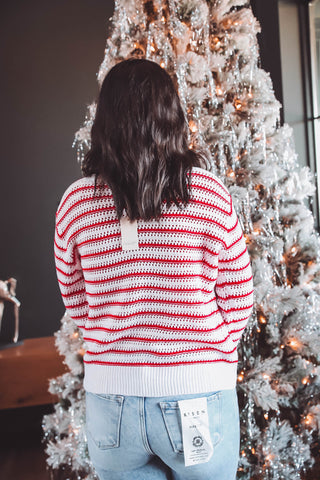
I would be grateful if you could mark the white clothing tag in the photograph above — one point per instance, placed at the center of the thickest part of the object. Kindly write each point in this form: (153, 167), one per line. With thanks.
(197, 444)
(129, 234)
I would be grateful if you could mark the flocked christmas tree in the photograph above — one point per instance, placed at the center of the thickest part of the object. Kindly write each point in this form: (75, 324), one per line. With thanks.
(210, 48)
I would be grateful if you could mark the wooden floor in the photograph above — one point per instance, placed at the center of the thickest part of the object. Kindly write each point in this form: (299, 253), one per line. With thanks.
(22, 454)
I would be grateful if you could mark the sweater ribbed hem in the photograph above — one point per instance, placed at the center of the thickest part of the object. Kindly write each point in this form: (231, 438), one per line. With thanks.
(160, 381)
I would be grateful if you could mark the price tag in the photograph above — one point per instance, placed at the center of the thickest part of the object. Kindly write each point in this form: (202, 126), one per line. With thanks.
(129, 234)
(197, 444)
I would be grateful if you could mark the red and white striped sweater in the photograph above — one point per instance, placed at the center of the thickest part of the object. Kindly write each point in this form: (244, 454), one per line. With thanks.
(165, 318)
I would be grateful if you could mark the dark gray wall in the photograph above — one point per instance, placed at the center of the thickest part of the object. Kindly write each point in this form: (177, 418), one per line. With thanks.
(50, 53)
(266, 11)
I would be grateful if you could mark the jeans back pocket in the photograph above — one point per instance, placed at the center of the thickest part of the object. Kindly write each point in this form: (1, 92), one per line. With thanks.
(103, 419)
(172, 419)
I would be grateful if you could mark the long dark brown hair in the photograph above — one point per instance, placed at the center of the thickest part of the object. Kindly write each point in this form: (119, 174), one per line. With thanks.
(139, 140)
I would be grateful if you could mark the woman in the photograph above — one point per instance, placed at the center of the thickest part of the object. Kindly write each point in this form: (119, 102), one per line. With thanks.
(154, 270)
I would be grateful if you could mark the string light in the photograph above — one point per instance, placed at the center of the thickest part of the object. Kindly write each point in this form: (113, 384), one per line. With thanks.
(294, 344)
(305, 381)
(193, 127)
(262, 319)
(308, 420)
(138, 46)
(269, 457)
(75, 335)
(216, 42)
(238, 105)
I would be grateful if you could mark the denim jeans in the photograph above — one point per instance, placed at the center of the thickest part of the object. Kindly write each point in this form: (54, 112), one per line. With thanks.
(140, 438)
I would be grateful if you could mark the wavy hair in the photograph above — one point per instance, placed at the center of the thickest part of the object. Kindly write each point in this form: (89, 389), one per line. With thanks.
(139, 140)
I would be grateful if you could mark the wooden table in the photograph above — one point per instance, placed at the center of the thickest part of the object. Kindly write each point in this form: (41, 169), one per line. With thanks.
(25, 371)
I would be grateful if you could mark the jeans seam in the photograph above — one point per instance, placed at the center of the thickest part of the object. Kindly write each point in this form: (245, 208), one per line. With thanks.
(143, 429)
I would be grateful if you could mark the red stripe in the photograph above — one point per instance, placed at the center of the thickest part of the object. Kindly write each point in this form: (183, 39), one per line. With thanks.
(91, 240)
(152, 340)
(119, 249)
(141, 245)
(234, 226)
(235, 269)
(238, 320)
(160, 289)
(67, 274)
(89, 187)
(84, 214)
(187, 232)
(235, 242)
(202, 203)
(76, 317)
(63, 261)
(150, 300)
(201, 187)
(208, 177)
(211, 251)
(156, 327)
(237, 331)
(144, 274)
(172, 364)
(158, 354)
(72, 283)
(142, 229)
(76, 292)
(79, 325)
(93, 225)
(179, 246)
(157, 314)
(77, 306)
(234, 283)
(104, 252)
(145, 230)
(83, 200)
(179, 262)
(58, 246)
(233, 258)
(236, 309)
(229, 297)
(183, 215)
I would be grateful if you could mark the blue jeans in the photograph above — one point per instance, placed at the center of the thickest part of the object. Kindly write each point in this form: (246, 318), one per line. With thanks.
(139, 438)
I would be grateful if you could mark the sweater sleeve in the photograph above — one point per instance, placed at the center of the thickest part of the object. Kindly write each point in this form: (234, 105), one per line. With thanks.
(69, 273)
(234, 286)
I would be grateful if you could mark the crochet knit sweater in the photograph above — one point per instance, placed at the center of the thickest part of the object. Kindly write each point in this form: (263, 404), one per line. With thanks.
(164, 318)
